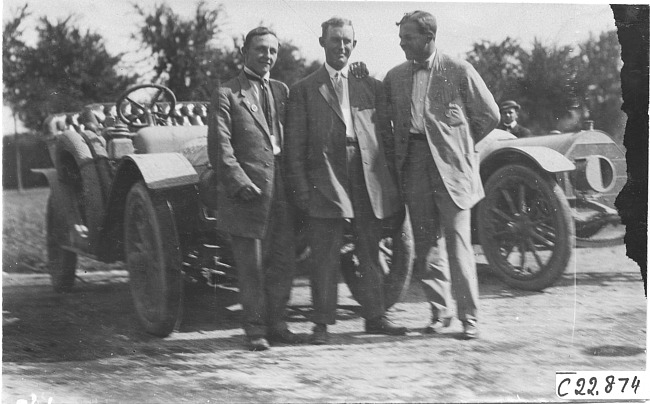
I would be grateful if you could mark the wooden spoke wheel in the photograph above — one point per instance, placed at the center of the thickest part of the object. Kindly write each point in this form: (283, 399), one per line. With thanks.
(525, 227)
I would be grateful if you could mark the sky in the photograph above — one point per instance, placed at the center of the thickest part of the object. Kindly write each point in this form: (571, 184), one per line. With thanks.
(459, 24)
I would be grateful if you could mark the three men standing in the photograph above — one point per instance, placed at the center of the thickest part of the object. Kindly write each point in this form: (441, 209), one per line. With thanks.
(338, 171)
(245, 147)
(440, 108)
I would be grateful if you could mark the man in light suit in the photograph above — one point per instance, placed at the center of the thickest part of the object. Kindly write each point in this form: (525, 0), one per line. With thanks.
(440, 108)
(245, 148)
(338, 171)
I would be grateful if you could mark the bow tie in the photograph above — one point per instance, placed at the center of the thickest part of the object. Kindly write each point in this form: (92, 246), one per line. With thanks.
(420, 66)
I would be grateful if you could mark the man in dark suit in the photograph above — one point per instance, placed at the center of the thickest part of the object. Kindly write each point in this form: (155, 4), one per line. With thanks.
(509, 113)
(440, 107)
(245, 147)
(338, 171)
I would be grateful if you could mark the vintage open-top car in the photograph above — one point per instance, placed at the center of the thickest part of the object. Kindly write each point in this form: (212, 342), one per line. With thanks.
(130, 179)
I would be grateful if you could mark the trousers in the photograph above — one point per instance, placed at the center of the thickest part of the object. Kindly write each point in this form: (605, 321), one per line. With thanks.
(266, 268)
(326, 240)
(434, 218)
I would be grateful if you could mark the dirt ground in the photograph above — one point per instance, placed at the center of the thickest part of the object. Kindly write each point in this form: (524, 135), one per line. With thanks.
(86, 346)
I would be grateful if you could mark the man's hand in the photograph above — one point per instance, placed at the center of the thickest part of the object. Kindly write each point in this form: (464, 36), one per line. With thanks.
(248, 192)
(359, 70)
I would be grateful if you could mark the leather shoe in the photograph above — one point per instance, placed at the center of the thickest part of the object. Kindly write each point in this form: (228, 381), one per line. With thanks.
(437, 325)
(285, 337)
(320, 336)
(382, 325)
(258, 344)
(470, 329)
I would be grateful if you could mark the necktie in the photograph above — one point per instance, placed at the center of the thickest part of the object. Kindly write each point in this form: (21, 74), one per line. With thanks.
(266, 104)
(338, 86)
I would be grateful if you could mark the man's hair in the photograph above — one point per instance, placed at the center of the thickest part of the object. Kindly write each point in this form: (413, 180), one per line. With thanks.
(336, 22)
(259, 31)
(426, 22)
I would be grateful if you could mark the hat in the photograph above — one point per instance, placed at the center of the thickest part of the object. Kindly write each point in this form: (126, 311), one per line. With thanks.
(509, 104)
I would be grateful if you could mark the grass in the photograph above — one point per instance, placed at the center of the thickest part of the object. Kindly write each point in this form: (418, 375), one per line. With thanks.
(23, 233)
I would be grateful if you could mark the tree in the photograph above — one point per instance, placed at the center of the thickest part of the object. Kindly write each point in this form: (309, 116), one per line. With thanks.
(549, 89)
(187, 59)
(66, 69)
(501, 65)
(13, 54)
(291, 66)
(558, 87)
(599, 71)
(190, 58)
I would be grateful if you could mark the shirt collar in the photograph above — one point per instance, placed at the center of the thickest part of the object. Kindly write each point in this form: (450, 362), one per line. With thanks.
(331, 71)
(252, 73)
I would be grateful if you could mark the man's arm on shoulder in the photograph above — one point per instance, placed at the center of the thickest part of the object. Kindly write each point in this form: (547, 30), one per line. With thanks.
(220, 151)
(482, 110)
(296, 147)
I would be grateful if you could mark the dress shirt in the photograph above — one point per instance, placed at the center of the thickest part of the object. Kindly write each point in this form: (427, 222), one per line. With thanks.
(421, 77)
(342, 75)
(256, 84)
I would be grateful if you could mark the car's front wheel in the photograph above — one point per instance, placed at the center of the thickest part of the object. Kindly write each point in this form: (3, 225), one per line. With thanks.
(153, 259)
(525, 227)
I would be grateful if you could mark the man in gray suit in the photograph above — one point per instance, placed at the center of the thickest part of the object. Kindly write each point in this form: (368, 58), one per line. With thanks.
(338, 170)
(245, 147)
(440, 108)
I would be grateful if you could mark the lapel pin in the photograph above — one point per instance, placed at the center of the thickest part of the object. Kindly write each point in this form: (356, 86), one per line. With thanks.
(254, 108)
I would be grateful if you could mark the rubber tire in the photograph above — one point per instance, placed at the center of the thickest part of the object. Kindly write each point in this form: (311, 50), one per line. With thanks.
(156, 280)
(561, 217)
(62, 264)
(398, 269)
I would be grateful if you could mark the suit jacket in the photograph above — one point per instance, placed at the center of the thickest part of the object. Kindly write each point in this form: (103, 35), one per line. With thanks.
(459, 111)
(316, 146)
(241, 153)
(518, 130)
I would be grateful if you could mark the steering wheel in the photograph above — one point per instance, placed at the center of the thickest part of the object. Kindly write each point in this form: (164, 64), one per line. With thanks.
(139, 114)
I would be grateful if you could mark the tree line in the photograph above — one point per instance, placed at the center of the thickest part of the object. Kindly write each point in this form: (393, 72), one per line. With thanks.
(69, 67)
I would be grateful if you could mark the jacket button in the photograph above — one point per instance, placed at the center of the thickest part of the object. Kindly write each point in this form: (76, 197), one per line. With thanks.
(267, 165)
(266, 148)
(267, 180)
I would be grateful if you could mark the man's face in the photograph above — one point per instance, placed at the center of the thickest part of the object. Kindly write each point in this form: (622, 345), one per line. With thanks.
(338, 44)
(508, 115)
(415, 44)
(261, 54)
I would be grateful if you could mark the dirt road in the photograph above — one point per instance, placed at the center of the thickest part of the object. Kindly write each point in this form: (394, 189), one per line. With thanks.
(86, 347)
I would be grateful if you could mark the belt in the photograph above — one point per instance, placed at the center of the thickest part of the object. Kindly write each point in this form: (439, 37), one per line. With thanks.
(417, 136)
(351, 141)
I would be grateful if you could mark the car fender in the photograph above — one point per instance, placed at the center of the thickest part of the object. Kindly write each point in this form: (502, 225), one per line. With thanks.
(544, 158)
(168, 173)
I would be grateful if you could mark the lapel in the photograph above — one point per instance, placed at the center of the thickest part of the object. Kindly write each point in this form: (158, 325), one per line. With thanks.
(407, 79)
(441, 87)
(326, 89)
(278, 98)
(248, 98)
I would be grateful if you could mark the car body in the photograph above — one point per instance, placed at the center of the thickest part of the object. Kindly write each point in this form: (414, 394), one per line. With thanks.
(130, 179)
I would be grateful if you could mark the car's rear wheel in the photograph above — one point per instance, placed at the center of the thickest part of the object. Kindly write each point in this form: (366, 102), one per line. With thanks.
(153, 259)
(395, 259)
(62, 263)
(525, 227)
